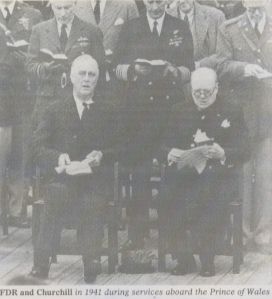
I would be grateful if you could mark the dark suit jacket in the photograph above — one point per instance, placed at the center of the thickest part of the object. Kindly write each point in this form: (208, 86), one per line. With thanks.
(83, 38)
(223, 124)
(62, 131)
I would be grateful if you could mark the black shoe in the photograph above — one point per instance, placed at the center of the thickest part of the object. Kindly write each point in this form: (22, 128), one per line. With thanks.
(39, 272)
(91, 271)
(184, 268)
(18, 222)
(207, 271)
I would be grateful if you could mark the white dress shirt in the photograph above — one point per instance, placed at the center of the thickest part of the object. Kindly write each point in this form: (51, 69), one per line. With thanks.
(80, 106)
(68, 27)
(261, 23)
(10, 8)
(159, 23)
(190, 16)
(102, 6)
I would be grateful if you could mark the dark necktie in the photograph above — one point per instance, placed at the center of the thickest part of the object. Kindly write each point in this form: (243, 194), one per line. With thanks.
(8, 14)
(155, 29)
(85, 111)
(186, 20)
(256, 29)
(63, 37)
(97, 11)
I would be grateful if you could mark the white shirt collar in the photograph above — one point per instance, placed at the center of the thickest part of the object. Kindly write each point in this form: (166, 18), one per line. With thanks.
(261, 23)
(79, 104)
(68, 27)
(10, 7)
(190, 15)
(102, 5)
(159, 21)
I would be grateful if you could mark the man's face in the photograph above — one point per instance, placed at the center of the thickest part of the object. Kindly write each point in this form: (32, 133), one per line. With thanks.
(84, 76)
(204, 91)
(155, 8)
(255, 8)
(63, 10)
(186, 5)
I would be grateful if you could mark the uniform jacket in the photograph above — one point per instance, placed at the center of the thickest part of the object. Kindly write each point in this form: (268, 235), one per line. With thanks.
(115, 14)
(150, 98)
(62, 131)
(237, 46)
(223, 123)
(83, 38)
(20, 24)
(206, 23)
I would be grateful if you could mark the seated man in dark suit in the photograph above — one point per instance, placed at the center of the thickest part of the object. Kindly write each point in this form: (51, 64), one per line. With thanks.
(205, 145)
(73, 146)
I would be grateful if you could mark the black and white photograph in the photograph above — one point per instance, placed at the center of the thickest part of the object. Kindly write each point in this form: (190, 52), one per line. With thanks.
(136, 148)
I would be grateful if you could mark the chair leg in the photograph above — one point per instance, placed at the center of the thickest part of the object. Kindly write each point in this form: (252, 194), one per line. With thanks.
(4, 215)
(112, 247)
(237, 237)
(36, 219)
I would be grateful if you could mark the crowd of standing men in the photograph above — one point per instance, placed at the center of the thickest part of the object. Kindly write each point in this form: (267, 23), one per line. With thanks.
(139, 59)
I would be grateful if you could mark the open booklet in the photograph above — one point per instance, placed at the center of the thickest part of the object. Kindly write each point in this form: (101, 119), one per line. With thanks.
(18, 45)
(193, 158)
(156, 62)
(48, 55)
(75, 168)
(264, 75)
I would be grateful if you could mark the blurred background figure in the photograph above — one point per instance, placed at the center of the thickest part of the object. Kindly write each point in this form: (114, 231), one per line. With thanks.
(18, 19)
(245, 53)
(204, 22)
(43, 6)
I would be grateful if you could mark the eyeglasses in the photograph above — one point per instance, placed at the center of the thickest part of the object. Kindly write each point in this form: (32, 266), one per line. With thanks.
(205, 92)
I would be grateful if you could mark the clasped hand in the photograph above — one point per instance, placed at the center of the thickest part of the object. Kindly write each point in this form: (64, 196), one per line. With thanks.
(145, 70)
(94, 158)
(54, 67)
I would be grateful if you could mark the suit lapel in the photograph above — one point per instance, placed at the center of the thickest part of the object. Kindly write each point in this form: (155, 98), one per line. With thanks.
(71, 112)
(109, 15)
(52, 34)
(248, 32)
(200, 27)
(74, 34)
(267, 33)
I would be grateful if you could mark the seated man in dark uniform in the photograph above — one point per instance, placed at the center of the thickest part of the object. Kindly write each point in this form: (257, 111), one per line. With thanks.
(205, 145)
(73, 148)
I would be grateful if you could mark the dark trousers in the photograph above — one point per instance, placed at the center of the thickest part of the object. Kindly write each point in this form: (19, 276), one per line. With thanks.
(193, 226)
(76, 204)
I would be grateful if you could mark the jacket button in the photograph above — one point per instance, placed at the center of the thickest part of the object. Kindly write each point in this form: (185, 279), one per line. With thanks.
(151, 98)
(167, 97)
(150, 83)
(174, 82)
(75, 136)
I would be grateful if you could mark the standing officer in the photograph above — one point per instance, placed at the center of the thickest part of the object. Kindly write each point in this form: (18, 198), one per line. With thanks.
(65, 33)
(204, 22)
(245, 51)
(18, 19)
(155, 57)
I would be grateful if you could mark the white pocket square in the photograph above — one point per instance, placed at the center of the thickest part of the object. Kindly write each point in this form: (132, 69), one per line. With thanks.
(119, 21)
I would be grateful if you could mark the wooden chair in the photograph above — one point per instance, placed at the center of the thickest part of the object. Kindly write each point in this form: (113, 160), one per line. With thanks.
(111, 250)
(233, 245)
